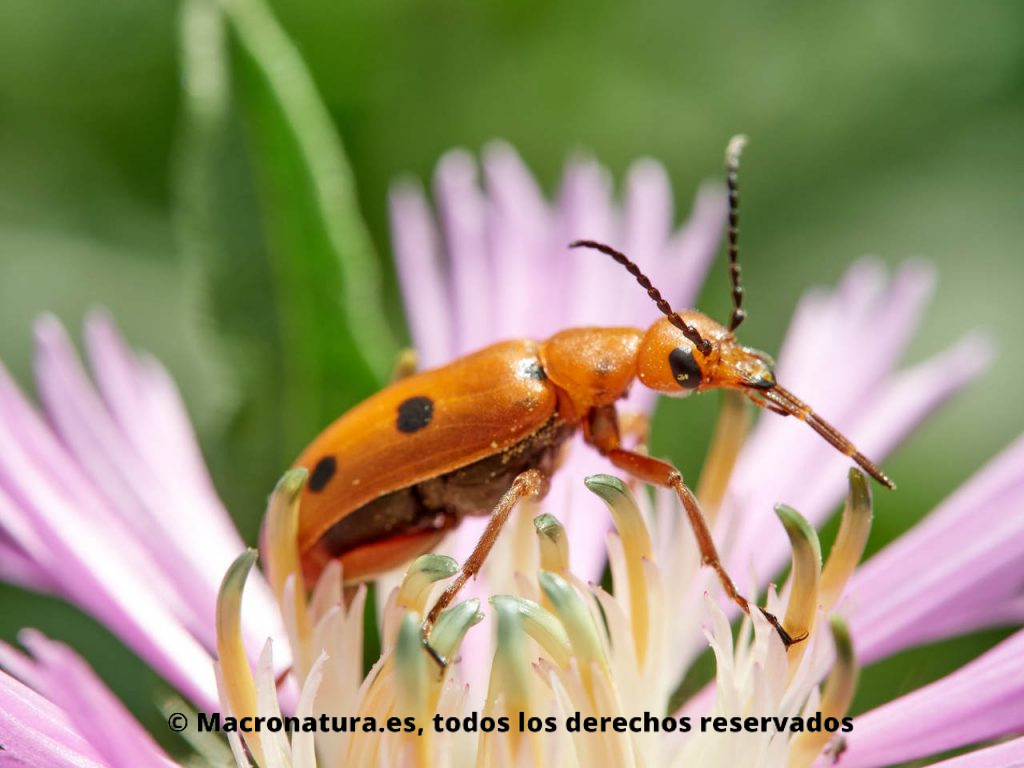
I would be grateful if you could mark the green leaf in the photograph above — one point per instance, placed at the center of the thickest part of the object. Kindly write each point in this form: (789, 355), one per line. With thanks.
(326, 268)
(268, 219)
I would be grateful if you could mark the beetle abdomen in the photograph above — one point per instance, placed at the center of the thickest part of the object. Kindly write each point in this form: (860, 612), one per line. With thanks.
(414, 519)
(476, 488)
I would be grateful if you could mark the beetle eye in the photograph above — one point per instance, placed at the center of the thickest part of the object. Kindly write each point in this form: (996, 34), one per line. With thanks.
(684, 368)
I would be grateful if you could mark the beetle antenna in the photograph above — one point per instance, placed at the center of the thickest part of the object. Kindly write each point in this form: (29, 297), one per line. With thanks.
(732, 181)
(688, 330)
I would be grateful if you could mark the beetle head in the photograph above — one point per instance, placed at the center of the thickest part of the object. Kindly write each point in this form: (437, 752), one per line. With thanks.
(688, 352)
(670, 362)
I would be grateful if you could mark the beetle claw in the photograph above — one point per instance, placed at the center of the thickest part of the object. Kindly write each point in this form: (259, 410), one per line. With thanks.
(787, 639)
(440, 660)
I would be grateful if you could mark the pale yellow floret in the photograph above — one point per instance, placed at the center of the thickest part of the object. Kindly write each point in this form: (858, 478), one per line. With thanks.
(854, 527)
(636, 545)
(731, 430)
(835, 698)
(554, 544)
(233, 665)
(562, 647)
(281, 563)
(802, 608)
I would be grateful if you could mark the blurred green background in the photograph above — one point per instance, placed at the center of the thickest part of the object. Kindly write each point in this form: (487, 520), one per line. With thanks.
(885, 128)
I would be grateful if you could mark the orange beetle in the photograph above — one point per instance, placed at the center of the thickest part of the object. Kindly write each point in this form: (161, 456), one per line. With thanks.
(392, 476)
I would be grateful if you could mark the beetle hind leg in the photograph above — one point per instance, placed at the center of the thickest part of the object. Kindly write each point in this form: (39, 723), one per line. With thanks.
(527, 484)
(441, 661)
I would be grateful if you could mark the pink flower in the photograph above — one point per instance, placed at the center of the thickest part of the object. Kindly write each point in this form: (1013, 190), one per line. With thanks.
(104, 500)
(63, 715)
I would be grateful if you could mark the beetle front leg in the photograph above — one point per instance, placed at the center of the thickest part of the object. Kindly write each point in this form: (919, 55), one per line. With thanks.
(636, 426)
(602, 432)
(529, 483)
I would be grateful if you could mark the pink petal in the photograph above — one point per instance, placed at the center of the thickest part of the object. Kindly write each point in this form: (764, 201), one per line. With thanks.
(1007, 755)
(649, 211)
(144, 400)
(967, 561)
(33, 731)
(96, 446)
(979, 701)
(92, 574)
(181, 497)
(812, 479)
(530, 266)
(421, 276)
(462, 210)
(822, 362)
(585, 212)
(691, 250)
(50, 467)
(16, 567)
(118, 514)
(1007, 612)
(91, 709)
(892, 413)
(647, 227)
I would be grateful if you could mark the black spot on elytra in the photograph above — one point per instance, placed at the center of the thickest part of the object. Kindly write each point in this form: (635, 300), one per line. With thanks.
(414, 414)
(530, 368)
(684, 368)
(322, 473)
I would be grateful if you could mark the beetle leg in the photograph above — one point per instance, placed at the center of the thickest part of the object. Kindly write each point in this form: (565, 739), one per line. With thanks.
(602, 433)
(601, 428)
(658, 472)
(529, 483)
(636, 425)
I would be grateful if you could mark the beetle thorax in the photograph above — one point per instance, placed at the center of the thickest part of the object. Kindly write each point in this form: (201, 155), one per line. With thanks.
(592, 367)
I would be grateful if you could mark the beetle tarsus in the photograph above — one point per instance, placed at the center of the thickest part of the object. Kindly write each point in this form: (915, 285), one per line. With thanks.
(440, 660)
(529, 483)
(787, 639)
